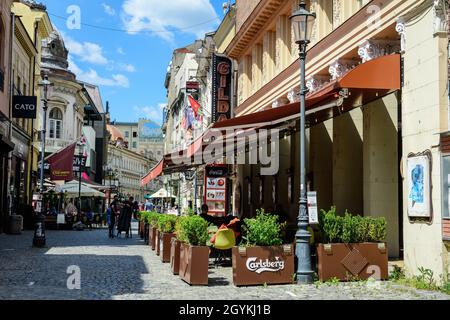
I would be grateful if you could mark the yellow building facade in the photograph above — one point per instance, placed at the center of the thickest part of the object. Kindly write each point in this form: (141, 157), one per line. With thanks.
(358, 149)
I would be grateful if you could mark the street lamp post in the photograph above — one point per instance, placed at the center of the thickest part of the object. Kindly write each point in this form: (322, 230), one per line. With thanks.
(302, 22)
(39, 231)
(80, 170)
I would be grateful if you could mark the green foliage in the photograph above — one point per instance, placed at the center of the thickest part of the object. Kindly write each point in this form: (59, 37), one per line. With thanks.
(190, 212)
(350, 228)
(193, 230)
(264, 230)
(166, 223)
(397, 274)
(152, 218)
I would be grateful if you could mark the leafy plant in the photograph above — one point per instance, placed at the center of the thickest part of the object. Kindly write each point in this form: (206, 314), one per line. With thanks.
(331, 225)
(193, 230)
(264, 230)
(152, 218)
(349, 228)
(166, 223)
(397, 274)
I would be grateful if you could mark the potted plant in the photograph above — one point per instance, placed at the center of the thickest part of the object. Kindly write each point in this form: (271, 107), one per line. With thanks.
(353, 247)
(194, 254)
(263, 259)
(152, 221)
(166, 228)
(142, 217)
(175, 248)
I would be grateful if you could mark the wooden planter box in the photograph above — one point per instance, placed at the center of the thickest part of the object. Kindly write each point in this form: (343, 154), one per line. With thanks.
(164, 246)
(357, 261)
(175, 255)
(157, 248)
(151, 236)
(146, 233)
(263, 265)
(141, 229)
(194, 261)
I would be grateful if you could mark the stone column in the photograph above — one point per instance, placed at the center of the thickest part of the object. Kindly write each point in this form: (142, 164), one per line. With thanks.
(283, 43)
(257, 63)
(269, 53)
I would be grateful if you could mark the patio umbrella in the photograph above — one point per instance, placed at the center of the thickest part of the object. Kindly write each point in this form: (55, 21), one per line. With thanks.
(72, 190)
(162, 193)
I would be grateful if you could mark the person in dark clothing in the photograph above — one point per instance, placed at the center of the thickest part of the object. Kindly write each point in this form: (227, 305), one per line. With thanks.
(124, 224)
(111, 215)
(204, 214)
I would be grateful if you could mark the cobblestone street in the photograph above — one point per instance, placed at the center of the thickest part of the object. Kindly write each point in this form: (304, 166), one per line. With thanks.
(127, 269)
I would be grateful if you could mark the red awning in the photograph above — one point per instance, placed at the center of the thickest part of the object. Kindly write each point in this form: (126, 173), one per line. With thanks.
(381, 74)
(153, 174)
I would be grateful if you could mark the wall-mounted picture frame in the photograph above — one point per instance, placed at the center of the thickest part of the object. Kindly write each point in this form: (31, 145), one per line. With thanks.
(418, 177)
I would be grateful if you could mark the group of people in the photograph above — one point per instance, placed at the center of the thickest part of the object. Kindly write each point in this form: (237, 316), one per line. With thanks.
(119, 215)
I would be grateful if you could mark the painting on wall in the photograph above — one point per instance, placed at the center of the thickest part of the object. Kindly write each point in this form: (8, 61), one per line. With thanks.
(419, 186)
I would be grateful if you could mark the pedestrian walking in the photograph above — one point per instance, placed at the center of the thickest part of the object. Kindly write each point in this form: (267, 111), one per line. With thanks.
(124, 223)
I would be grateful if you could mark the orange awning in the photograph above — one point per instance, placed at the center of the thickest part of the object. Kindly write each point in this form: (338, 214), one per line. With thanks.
(381, 75)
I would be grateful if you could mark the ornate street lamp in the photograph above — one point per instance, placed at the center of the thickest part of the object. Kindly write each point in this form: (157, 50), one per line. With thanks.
(302, 22)
(80, 171)
(39, 231)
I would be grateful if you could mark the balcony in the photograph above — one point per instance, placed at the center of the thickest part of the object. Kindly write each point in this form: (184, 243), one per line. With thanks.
(53, 145)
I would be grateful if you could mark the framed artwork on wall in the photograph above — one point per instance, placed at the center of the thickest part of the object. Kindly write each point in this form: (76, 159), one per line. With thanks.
(418, 177)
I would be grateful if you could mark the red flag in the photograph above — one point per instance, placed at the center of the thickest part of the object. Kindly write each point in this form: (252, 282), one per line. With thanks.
(61, 163)
(194, 105)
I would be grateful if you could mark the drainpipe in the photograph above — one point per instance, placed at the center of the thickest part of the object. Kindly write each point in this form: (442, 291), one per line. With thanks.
(11, 93)
(33, 70)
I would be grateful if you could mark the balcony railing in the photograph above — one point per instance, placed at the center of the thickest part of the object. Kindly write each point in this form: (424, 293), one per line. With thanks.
(57, 143)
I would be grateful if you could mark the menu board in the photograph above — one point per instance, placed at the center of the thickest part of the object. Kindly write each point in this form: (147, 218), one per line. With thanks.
(216, 189)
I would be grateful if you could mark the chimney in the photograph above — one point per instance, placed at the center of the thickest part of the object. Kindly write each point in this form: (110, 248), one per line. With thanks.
(107, 106)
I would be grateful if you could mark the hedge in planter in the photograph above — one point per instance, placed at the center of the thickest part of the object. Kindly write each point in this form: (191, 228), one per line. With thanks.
(166, 228)
(353, 247)
(264, 259)
(142, 217)
(152, 220)
(175, 248)
(194, 254)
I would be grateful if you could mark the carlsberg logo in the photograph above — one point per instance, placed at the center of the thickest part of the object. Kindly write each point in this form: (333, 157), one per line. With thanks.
(264, 266)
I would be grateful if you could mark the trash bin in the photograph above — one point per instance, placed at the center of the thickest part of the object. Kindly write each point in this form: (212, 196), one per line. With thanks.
(15, 224)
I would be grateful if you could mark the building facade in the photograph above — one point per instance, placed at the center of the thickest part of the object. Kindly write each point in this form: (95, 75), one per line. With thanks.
(5, 97)
(126, 169)
(362, 138)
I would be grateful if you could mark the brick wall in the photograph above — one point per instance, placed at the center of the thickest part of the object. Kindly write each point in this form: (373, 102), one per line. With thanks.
(243, 9)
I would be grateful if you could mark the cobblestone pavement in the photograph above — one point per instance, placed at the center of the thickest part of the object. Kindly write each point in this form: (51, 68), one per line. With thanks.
(128, 269)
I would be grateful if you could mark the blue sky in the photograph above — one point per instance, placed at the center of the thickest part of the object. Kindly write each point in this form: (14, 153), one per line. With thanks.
(129, 60)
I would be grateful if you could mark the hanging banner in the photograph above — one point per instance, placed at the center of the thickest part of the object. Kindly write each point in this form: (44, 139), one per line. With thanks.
(61, 164)
(216, 189)
(24, 107)
(221, 94)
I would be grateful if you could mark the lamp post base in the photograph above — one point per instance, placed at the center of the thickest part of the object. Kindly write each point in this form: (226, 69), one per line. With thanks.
(39, 232)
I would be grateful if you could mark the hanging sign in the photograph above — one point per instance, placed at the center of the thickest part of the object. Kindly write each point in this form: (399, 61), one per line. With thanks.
(221, 95)
(216, 189)
(312, 208)
(24, 107)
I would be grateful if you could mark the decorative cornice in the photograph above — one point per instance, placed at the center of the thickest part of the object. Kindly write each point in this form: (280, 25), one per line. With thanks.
(371, 49)
(340, 67)
(294, 95)
(315, 82)
(280, 102)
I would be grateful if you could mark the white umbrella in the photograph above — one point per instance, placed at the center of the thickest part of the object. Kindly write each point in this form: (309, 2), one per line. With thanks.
(162, 193)
(72, 189)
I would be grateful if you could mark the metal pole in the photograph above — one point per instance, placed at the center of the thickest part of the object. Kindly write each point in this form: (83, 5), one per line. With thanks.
(79, 181)
(304, 270)
(11, 94)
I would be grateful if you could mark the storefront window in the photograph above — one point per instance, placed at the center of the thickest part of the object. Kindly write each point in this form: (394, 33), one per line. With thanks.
(446, 186)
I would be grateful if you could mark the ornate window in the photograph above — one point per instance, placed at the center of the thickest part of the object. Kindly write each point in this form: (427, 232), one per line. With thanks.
(56, 123)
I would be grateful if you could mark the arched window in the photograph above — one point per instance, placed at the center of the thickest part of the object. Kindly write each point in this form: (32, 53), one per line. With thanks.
(56, 123)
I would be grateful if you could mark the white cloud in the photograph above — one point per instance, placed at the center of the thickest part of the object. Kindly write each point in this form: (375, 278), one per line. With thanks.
(163, 17)
(86, 51)
(108, 9)
(154, 113)
(120, 51)
(128, 67)
(91, 76)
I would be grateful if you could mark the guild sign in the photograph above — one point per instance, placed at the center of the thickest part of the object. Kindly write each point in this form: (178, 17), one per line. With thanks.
(221, 97)
(24, 107)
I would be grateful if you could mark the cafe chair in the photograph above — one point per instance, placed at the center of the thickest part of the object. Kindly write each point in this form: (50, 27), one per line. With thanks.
(224, 241)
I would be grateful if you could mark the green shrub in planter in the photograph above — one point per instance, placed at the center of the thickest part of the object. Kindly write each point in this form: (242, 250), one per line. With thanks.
(152, 218)
(193, 230)
(351, 229)
(264, 230)
(166, 223)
